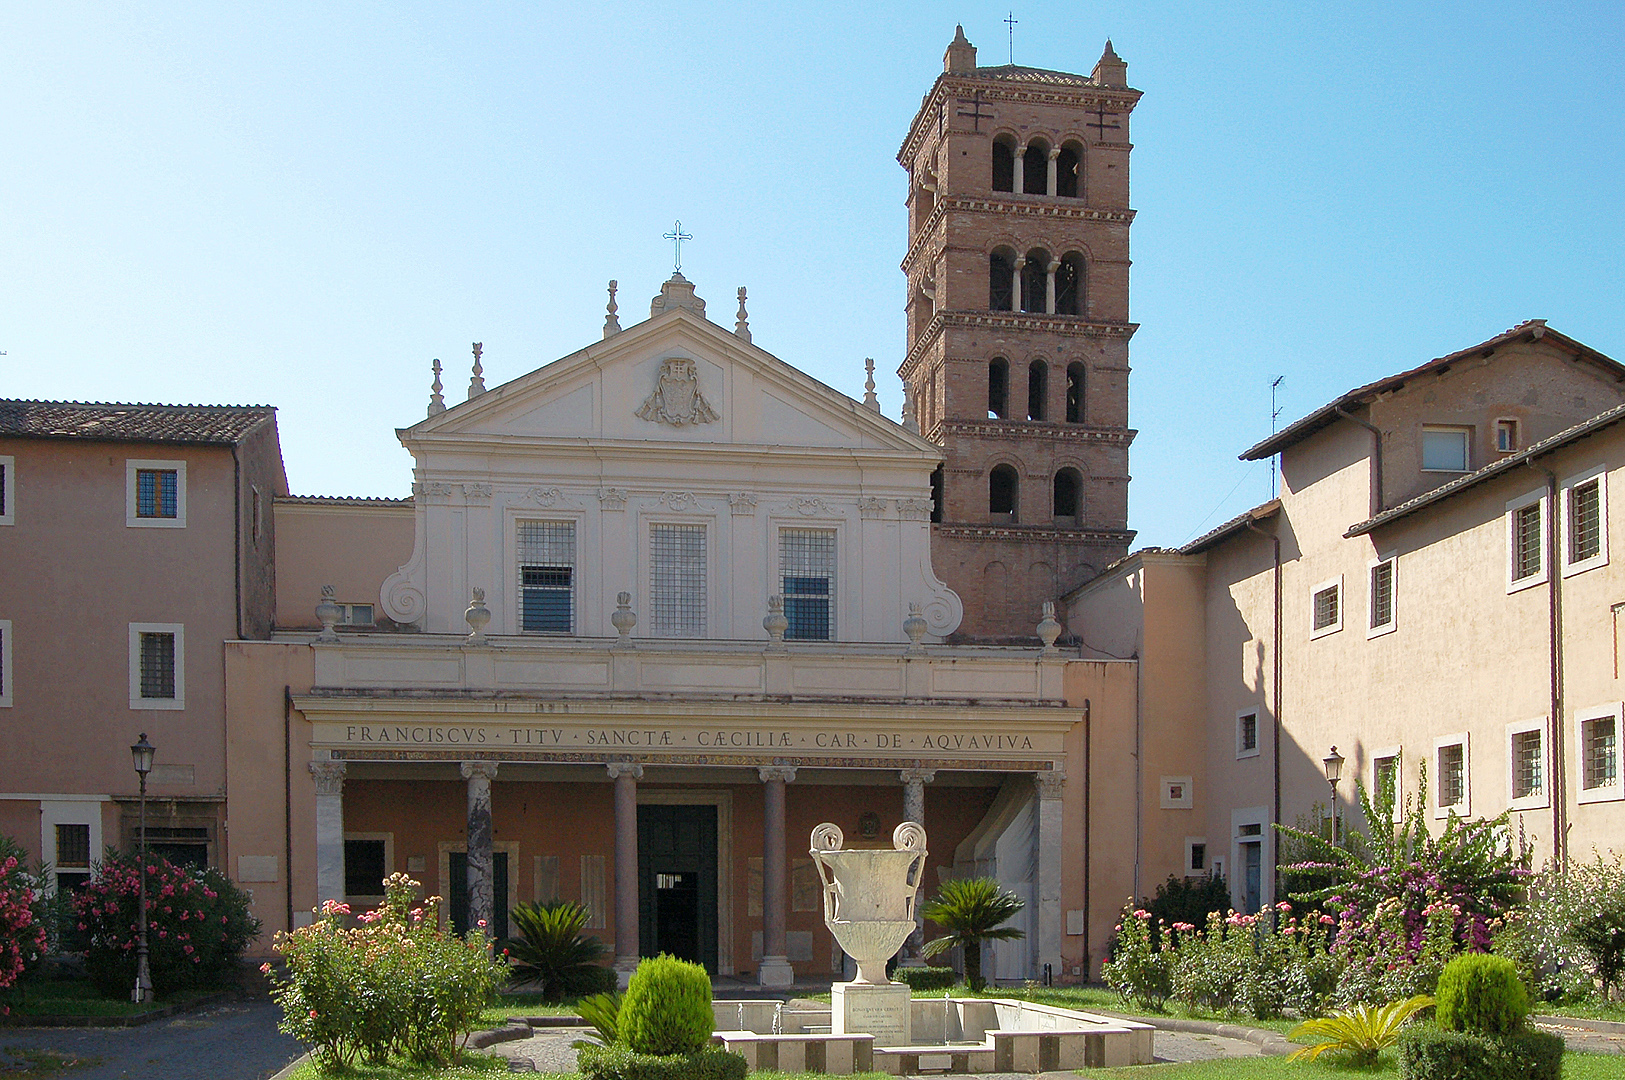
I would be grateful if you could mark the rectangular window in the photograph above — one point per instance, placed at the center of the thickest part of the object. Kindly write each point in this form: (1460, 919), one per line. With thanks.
(1526, 765)
(8, 469)
(5, 663)
(1327, 607)
(1195, 856)
(1382, 596)
(1444, 449)
(1385, 780)
(1526, 542)
(155, 494)
(1247, 735)
(677, 580)
(365, 867)
(1452, 794)
(1506, 436)
(355, 615)
(807, 574)
(1600, 778)
(1585, 522)
(547, 557)
(157, 666)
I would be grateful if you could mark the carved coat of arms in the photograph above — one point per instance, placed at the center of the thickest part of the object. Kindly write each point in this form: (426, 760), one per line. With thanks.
(677, 399)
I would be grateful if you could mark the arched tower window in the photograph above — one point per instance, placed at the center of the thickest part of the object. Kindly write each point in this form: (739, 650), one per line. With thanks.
(1001, 490)
(1035, 169)
(1074, 393)
(1037, 389)
(998, 388)
(1004, 164)
(1069, 285)
(1068, 171)
(1001, 269)
(1035, 281)
(1068, 494)
(936, 494)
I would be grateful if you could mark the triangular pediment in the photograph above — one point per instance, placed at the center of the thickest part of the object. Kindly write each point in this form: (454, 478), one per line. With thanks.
(674, 379)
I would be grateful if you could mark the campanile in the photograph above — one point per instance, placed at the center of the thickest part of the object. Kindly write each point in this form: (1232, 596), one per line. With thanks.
(1018, 328)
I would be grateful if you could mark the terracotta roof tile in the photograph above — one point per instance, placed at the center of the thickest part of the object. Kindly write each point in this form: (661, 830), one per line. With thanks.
(210, 425)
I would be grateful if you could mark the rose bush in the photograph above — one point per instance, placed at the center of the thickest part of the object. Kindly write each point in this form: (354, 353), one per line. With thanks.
(198, 924)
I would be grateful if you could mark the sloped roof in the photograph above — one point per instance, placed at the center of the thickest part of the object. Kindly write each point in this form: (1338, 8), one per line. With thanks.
(1507, 464)
(208, 425)
(1326, 415)
(1234, 525)
(1016, 73)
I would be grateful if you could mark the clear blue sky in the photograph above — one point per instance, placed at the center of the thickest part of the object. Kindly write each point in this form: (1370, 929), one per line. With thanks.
(301, 205)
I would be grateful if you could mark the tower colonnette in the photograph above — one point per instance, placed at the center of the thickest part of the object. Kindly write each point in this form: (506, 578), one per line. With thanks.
(1018, 327)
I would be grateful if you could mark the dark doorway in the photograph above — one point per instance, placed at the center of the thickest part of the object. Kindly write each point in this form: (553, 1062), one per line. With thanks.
(458, 900)
(677, 882)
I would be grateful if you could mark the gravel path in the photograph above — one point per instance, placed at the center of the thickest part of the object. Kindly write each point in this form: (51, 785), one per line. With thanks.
(234, 1041)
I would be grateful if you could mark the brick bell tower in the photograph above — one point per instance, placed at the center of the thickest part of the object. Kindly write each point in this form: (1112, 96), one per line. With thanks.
(1018, 331)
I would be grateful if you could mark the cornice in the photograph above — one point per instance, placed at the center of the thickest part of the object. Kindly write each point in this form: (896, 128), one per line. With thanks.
(1033, 534)
(1026, 206)
(1071, 325)
(1030, 429)
(948, 83)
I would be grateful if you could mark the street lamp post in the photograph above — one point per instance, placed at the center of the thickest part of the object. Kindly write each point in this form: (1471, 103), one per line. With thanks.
(141, 752)
(1334, 772)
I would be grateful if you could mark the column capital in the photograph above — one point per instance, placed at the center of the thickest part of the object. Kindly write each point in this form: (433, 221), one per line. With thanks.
(487, 769)
(1054, 152)
(787, 773)
(922, 776)
(618, 769)
(329, 777)
(1049, 784)
(1053, 266)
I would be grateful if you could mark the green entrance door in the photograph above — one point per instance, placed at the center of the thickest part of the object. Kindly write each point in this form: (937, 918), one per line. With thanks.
(677, 882)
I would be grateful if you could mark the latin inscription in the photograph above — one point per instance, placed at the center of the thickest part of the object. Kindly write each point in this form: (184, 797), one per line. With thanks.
(705, 738)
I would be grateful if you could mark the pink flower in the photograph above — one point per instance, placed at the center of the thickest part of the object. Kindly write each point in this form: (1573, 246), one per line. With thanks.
(1327, 920)
(313, 1014)
(1283, 906)
(265, 968)
(481, 924)
(1184, 927)
(1140, 913)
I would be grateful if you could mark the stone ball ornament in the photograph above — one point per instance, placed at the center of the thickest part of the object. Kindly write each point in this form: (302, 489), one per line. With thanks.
(870, 894)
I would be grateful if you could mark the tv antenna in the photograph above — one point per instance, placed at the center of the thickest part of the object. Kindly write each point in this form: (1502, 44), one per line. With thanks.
(1275, 414)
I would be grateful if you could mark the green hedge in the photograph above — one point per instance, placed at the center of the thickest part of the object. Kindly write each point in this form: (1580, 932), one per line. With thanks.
(1482, 994)
(619, 1063)
(926, 978)
(667, 1007)
(1428, 1053)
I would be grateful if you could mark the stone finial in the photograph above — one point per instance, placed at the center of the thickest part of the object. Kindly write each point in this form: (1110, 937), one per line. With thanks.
(1048, 627)
(476, 384)
(329, 613)
(961, 54)
(910, 421)
(1110, 70)
(869, 399)
(676, 292)
(914, 626)
(437, 400)
(742, 323)
(612, 325)
(774, 622)
(478, 617)
(623, 618)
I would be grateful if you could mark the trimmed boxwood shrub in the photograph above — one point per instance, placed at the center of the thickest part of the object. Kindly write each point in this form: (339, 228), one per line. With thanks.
(619, 1063)
(667, 1008)
(926, 978)
(1428, 1053)
(1481, 993)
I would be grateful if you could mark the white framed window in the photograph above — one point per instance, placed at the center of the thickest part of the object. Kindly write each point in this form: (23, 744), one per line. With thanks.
(1177, 794)
(1452, 776)
(356, 615)
(1251, 885)
(1196, 860)
(8, 489)
(157, 666)
(5, 663)
(547, 576)
(1387, 773)
(1528, 765)
(807, 583)
(154, 494)
(1585, 521)
(1326, 607)
(1598, 731)
(1247, 733)
(1444, 449)
(70, 841)
(1526, 541)
(1506, 435)
(1382, 610)
(678, 580)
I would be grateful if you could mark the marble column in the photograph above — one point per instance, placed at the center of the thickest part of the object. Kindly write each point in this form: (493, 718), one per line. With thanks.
(1021, 169)
(1049, 183)
(914, 781)
(1015, 284)
(1047, 887)
(775, 969)
(1049, 289)
(626, 775)
(481, 869)
(329, 830)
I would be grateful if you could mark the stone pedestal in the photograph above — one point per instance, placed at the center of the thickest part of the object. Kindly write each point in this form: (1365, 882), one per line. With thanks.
(878, 1009)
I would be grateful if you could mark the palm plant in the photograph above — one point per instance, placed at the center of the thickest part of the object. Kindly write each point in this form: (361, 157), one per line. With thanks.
(551, 949)
(972, 910)
(1364, 1031)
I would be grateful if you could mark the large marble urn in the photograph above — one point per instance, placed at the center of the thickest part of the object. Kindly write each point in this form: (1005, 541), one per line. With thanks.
(869, 894)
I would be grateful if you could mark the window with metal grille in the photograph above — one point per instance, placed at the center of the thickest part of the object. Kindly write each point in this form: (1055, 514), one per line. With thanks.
(1325, 603)
(1527, 778)
(157, 665)
(157, 493)
(1452, 775)
(547, 557)
(677, 580)
(1246, 733)
(364, 867)
(1585, 520)
(1526, 554)
(1599, 741)
(807, 573)
(1382, 594)
(1385, 779)
(73, 846)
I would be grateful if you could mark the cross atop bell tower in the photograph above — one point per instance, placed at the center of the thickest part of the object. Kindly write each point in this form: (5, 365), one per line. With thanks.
(1018, 327)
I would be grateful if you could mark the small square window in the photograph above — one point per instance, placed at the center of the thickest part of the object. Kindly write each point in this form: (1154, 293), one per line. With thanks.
(355, 615)
(1326, 608)
(1600, 777)
(1247, 735)
(155, 494)
(1196, 863)
(1444, 449)
(1452, 776)
(157, 666)
(1526, 765)
(1382, 598)
(1506, 436)
(1176, 793)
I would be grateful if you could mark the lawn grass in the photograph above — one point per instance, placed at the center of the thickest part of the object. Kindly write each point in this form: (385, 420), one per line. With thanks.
(40, 1063)
(1575, 1067)
(1587, 1010)
(77, 997)
(473, 1065)
(526, 1004)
